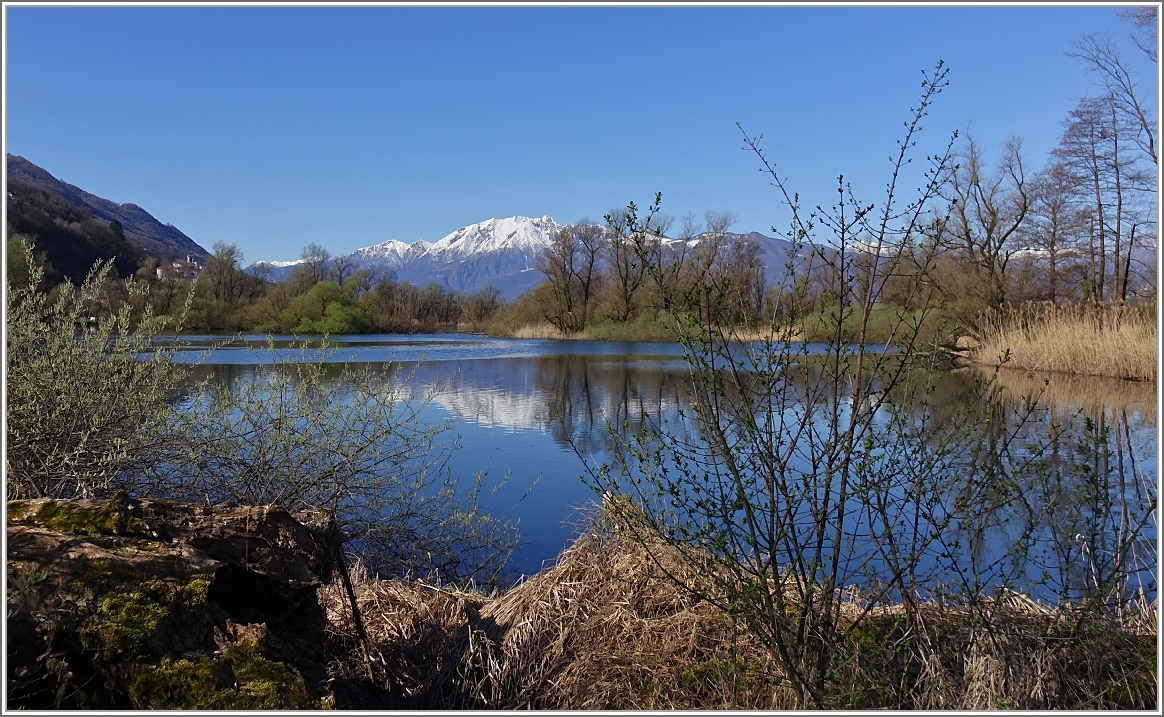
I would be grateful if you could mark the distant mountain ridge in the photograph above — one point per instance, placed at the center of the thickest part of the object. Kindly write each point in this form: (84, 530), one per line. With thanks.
(163, 241)
(496, 252)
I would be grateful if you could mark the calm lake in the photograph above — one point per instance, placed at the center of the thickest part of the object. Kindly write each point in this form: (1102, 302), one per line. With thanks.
(534, 410)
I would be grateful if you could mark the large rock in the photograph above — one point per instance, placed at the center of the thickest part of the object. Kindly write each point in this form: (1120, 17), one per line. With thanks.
(148, 604)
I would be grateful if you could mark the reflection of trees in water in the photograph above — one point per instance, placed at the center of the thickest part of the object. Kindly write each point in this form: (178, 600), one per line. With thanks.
(1075, 458)
(1072, 513)
(1095, 498)
(224, 375)
(1075, 512)
(588, 396)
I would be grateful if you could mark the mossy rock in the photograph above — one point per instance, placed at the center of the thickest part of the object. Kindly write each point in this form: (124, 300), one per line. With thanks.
(246, 676)
(119, 516)
(152, 619)
(117, 605)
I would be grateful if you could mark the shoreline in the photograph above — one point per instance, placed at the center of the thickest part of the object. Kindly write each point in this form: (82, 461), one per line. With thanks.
(606, 626)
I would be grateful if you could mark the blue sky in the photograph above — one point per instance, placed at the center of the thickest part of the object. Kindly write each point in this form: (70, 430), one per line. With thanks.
(273, 127)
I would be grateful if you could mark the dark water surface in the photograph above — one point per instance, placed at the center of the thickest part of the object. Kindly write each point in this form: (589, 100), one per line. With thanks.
(536, 409)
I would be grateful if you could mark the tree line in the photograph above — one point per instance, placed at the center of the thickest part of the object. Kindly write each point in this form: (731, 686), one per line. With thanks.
(321, 295)
(997, 234)
(1069, 231)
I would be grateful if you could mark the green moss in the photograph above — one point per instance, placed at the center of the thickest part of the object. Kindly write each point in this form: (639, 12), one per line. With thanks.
(132, 624)
(17, 510)
(150, 620)
(243, 678)
(113, 518)
(202, 684)
(151, 628)
(274, 684)
(143, 621)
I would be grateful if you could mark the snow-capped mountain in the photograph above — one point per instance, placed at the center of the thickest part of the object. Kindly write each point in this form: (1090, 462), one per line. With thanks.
(391, 253)
(498, 252)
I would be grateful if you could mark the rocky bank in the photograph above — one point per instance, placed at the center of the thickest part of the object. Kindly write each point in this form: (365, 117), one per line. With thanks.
(124, 603)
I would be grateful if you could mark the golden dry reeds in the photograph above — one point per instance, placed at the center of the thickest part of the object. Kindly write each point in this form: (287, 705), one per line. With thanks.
(607, 628)
(540, 330)
(604, 628)
(1117, 341)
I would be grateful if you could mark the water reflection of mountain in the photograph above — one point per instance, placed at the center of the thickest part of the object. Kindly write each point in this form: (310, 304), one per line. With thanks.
(1081, 463)
(573, 397)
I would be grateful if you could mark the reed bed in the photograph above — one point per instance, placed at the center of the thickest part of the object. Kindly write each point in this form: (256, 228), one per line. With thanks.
(605, 628)
(1116, 341)
(540, 330)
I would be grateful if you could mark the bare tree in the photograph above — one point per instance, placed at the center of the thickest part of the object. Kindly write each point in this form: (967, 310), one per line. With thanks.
(315, 261)
(479, 307)
(708, 249)
(1144, 20)
(589, 242)
(223, 289)
(1094, 147)
(340, 269)
(558, 262)
(572, 265)
(1056, 224)
(218, 276)
(631, 246)
(673, 265)
(986, 210)
(1101, 57)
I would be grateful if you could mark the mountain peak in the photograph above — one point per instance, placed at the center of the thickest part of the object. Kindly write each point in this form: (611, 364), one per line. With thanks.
(502, 252)
(520, 234)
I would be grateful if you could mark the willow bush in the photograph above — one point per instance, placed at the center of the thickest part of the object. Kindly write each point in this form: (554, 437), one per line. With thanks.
(90, 397)
(104, 405)
(303, 431)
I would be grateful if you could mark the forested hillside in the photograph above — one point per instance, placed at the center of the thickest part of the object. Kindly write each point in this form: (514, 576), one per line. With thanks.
(150, 236)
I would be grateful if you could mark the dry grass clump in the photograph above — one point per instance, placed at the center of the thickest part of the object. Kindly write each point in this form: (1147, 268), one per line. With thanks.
(606, 628)
(540, 330)
(1013, 653)
(603, 628)
(414, 630)
(1118, 341)
(1002, 652)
